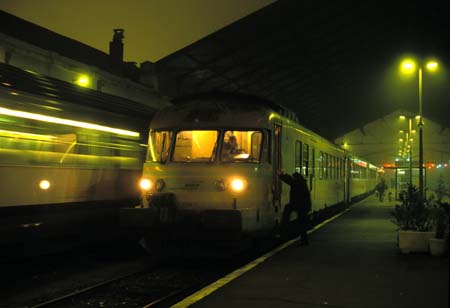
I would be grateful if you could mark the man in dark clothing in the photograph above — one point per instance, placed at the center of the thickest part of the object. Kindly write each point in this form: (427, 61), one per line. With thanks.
(299, 201)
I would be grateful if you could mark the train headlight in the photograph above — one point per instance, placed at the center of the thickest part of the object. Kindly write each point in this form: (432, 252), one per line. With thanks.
(44, 184)
(238, 185)
(159, 185)
(146, 184)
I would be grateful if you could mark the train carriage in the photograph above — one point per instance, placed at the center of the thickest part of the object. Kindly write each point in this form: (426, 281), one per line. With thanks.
(197, 185)
(68, 156)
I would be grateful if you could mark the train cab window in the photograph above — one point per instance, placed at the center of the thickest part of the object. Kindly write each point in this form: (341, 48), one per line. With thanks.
(158, 146)
(195, 146)
(241, 146)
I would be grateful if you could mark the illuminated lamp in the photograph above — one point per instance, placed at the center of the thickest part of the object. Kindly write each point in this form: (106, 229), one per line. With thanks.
(237, 185)
(83, 81)
(44, 184)
(145, 184)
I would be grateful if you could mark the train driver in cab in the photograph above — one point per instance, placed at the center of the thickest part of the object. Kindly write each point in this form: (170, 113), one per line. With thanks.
(231, 148)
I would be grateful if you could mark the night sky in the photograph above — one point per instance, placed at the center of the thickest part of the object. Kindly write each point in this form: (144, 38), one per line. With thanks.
(153, 28)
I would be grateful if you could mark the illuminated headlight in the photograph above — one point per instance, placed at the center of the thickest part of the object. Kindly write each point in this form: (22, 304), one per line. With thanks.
(44, 184)
(159, 185)
(238, 185)
(146, 184)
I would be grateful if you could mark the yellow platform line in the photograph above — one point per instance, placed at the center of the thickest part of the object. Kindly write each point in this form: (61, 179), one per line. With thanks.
(197, 296)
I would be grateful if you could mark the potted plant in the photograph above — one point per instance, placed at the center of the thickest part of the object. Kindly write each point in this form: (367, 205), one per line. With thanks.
(439, 244)
(414, 221)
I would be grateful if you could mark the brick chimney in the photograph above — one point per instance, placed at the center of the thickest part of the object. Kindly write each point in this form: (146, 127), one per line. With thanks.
(116, 46)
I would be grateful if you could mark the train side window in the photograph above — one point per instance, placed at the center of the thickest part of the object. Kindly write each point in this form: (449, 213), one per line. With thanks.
(334, 167)
(298, 156)
(313, 162)
(321, 165)
(305, 167)
(330, 166)
(327, 166)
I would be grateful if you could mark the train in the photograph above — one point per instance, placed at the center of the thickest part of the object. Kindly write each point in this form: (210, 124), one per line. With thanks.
(194, 189)
(69, 156)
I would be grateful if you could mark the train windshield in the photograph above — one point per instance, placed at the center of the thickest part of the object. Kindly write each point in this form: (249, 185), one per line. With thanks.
(241, 146)
(195, 146)
(159, 145)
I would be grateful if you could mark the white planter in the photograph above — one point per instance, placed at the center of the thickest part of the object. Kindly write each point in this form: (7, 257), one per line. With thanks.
(414, 241)
(438, 246)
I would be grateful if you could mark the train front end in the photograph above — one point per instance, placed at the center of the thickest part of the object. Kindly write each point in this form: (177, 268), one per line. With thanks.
(203, 179)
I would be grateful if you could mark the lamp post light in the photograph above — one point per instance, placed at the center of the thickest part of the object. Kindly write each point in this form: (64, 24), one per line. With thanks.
(406, 141)
(408, 66)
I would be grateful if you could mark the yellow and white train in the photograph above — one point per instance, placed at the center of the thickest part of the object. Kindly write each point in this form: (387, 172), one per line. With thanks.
(194, 187)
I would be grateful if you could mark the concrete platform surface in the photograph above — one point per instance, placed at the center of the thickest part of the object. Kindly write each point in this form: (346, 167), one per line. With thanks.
(353, 261)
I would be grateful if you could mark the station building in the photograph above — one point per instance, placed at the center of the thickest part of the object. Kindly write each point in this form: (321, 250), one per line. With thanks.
(30, 47)
(393, 143)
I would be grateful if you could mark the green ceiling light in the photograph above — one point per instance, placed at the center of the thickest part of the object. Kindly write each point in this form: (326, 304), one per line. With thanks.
(402, 117)
(83, 81)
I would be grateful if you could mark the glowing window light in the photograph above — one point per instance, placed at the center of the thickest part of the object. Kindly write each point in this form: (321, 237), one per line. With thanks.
(83, 80)
(43, 118)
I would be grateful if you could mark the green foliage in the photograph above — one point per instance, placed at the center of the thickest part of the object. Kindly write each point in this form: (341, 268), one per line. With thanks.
(413, 213)
(440, 189)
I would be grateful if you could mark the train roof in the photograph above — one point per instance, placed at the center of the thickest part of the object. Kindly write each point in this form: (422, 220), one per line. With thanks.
(207, 109)
(238, 98)
(13, 78)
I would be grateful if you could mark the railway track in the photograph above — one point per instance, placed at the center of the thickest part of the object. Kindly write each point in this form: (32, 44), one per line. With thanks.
(159, 287)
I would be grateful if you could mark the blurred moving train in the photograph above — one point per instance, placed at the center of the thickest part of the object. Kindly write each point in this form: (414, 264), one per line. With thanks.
(68, 156)
(194, 187)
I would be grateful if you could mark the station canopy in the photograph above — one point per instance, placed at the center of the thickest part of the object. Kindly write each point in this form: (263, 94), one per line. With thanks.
(334, 63)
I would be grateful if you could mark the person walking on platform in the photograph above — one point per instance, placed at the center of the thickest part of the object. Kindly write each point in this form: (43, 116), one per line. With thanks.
(380, 188)
(299, 201)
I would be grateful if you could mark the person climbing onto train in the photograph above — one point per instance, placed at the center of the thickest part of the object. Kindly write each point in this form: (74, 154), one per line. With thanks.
(299, 201)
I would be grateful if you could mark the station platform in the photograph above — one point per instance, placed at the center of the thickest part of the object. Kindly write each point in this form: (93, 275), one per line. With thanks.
(351, 261)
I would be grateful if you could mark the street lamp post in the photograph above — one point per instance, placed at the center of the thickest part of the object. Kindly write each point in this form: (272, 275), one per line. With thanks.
(420, 136)
(408, 66)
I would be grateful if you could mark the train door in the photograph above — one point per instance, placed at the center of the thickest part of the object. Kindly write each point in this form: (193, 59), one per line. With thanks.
(312, 171)
(276, 182)
(348, 176)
